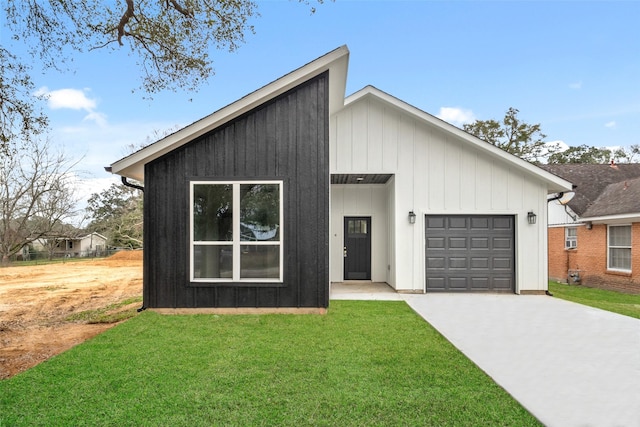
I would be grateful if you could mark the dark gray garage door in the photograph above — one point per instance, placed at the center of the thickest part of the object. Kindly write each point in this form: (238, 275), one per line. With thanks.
(470, 253)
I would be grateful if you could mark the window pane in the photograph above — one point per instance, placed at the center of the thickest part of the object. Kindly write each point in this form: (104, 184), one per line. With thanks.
(620, 258)
(212, 212)
(620, 235)
(212, 262)
(572, 231)
(259, 212)
(260, 262)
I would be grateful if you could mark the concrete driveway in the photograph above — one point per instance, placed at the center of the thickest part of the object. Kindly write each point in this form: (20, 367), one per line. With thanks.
(568, 364)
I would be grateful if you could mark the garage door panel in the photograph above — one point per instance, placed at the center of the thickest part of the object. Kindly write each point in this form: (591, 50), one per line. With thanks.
(503, 284)
(435, 243)
(458, 263)
(458, 282)
(436, 284)
(480, 263)
(436, 223)
(479, 243)
(436, 263)
(457, 223)
(502, 223)
(480, 223)
(502, 243)
(457, 243)
(470, 253)
(502, 264)
(480, 283)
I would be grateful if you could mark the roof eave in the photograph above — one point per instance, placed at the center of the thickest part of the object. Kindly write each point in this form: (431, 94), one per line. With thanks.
(336, 62)
(613, 219)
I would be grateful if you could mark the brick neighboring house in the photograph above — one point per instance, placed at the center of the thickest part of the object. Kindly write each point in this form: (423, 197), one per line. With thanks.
(594, 239)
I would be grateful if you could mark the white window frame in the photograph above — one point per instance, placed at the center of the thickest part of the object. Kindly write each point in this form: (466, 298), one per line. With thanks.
(570, 242)
(236, 243)
(609, 247)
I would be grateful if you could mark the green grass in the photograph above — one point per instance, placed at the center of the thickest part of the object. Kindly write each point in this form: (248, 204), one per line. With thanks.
(109, 314)
(617, 302)
(365, 363)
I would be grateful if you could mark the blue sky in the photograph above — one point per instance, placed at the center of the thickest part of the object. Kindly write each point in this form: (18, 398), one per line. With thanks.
(572, 66)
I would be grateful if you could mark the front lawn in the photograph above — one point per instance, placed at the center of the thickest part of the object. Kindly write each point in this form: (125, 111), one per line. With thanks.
(617, 302)
(365, 363)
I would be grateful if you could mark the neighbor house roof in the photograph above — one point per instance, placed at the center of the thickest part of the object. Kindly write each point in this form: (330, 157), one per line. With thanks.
(335, 62)
(616, 199)
(602, 190)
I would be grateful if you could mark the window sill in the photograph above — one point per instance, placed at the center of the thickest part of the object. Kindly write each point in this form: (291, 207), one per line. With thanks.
(247, 284)
(618, 273)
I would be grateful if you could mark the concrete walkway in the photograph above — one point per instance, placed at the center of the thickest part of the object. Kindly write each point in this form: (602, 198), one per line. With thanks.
(568, 364)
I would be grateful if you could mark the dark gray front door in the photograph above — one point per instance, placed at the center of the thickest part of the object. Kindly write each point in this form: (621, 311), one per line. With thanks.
(470, 253)
(357, 248)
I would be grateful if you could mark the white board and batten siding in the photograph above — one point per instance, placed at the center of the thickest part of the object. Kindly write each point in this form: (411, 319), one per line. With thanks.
(436, 170)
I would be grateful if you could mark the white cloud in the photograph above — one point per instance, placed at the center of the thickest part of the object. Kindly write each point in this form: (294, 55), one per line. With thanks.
(576, 85)
(73, 99)
(99, 118)
(610, 125)
(456, 116)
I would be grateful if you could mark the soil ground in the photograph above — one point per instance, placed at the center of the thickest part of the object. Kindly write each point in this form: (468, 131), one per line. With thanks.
(36, 301)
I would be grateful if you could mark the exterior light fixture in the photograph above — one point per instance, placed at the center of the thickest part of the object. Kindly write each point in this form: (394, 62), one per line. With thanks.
(531, 218)
(412, 217)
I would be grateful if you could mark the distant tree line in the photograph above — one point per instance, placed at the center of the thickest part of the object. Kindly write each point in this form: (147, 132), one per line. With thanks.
(527, 142)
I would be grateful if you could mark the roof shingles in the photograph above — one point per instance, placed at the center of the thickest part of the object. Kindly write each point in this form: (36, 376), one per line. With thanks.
(601, 190)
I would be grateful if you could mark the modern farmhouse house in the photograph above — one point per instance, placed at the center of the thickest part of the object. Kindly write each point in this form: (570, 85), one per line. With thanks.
(268, 200)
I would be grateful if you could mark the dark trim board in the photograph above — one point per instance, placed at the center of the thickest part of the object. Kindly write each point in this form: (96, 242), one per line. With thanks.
(287, 139)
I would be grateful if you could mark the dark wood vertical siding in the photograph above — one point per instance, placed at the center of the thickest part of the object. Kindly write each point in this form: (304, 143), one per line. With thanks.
(286, 139)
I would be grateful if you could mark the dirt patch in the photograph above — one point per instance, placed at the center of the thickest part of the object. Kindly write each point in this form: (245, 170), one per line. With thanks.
(36, 301)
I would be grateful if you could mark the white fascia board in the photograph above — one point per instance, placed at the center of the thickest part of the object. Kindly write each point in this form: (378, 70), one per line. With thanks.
(555, 184)
(336, 62)
(613, 219)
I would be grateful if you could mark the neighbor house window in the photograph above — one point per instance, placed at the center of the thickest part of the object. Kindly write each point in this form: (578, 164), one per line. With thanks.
(570, 237)
(236, 231)
(619, 247)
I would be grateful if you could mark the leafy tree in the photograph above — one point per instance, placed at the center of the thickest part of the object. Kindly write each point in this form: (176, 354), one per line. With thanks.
(581, 154)
(171, 40)
(514, 136)
(627, 155)
(117, 213)
(595, 155)
(20, 119)
(36, 196)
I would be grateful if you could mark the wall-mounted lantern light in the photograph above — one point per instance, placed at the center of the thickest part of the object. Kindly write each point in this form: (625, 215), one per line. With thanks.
(412, 217)
(531, 218)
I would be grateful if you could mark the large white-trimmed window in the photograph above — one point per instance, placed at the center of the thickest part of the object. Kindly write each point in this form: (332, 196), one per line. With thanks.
(619, 247)
(570, 237)
(236, 231)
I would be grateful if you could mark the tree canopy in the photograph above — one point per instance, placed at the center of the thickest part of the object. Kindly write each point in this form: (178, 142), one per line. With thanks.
(117, 213)
(595, 155)
(36, 196)
(171, 39)
(514, 136)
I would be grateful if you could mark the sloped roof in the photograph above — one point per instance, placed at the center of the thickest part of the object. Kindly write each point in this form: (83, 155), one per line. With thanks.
(553, 183)
(616, 199)
(598, 188)
(335, 62)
